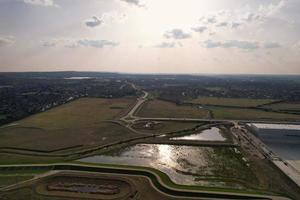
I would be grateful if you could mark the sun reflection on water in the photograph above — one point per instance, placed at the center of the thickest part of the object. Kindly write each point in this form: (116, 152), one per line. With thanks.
(166, 155)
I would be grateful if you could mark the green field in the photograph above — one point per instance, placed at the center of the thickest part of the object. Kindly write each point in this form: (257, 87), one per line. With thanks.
(236, 113)
(230, 101)
(167, 127)
(6, 180)
(2, 116)
(16, 176)
(165, 109)
(81, 122)
(285, 106)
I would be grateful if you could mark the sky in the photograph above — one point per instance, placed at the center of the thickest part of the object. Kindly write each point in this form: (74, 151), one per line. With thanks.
(151, 36)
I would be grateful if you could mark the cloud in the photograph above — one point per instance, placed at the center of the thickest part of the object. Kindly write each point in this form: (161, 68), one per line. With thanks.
(95, 21)
(236, 24)
(210, 19)
(177, 34)
(265, 12)
(105, 18)
(200, 29)
(72, 45)
(54, 42)
(222, 24)
(6, 41)
(49, 43)
(239, 44)
(212, 44)
(97, 43)
(165, 45)
(91, 43)
(272, 9)
(41, 2)
(133, 2)
(251, 17)
(271, 45)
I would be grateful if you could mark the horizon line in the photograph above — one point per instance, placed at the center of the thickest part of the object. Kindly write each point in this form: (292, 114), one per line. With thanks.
(152, 73)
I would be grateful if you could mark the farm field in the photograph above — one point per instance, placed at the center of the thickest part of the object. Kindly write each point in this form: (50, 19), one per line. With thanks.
(230, 101)
(81, 122)
(243, 114)
(285, 106)
(165, 109)
(10, 158)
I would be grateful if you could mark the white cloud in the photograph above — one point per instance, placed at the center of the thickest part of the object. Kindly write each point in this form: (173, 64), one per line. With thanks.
(236, 24)
(49, 44)
(271, 45)
(41, 2)
(210, 19)
(251, 17)
(76, 43)
(199, 29)
(272, 9)
(222, 24)
(72, 45)
(6, 41)
(165, 45)
(212, 44)
(265, 12)
(247, 45)
(177, 34)
(106, 18)
(134, 2)
(91, 43)
(241, 17)
(239, 44)
(95, 21)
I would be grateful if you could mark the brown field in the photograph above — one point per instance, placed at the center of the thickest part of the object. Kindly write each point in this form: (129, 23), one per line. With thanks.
(236, 113)
(81, 122)
(165, 109)
(230, 101)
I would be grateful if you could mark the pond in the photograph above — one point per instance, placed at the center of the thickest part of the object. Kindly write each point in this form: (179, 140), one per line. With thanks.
(186, 165)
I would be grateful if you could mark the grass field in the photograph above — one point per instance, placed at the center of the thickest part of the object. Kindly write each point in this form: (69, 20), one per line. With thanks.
(167, 127)
(165, 109)
(230, 101)
(80, 122)
(16, 176)
(6, 180)
(285, 106)
(236, 113)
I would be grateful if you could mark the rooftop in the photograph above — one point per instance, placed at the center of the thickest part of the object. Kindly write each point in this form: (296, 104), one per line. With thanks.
(276, 126)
